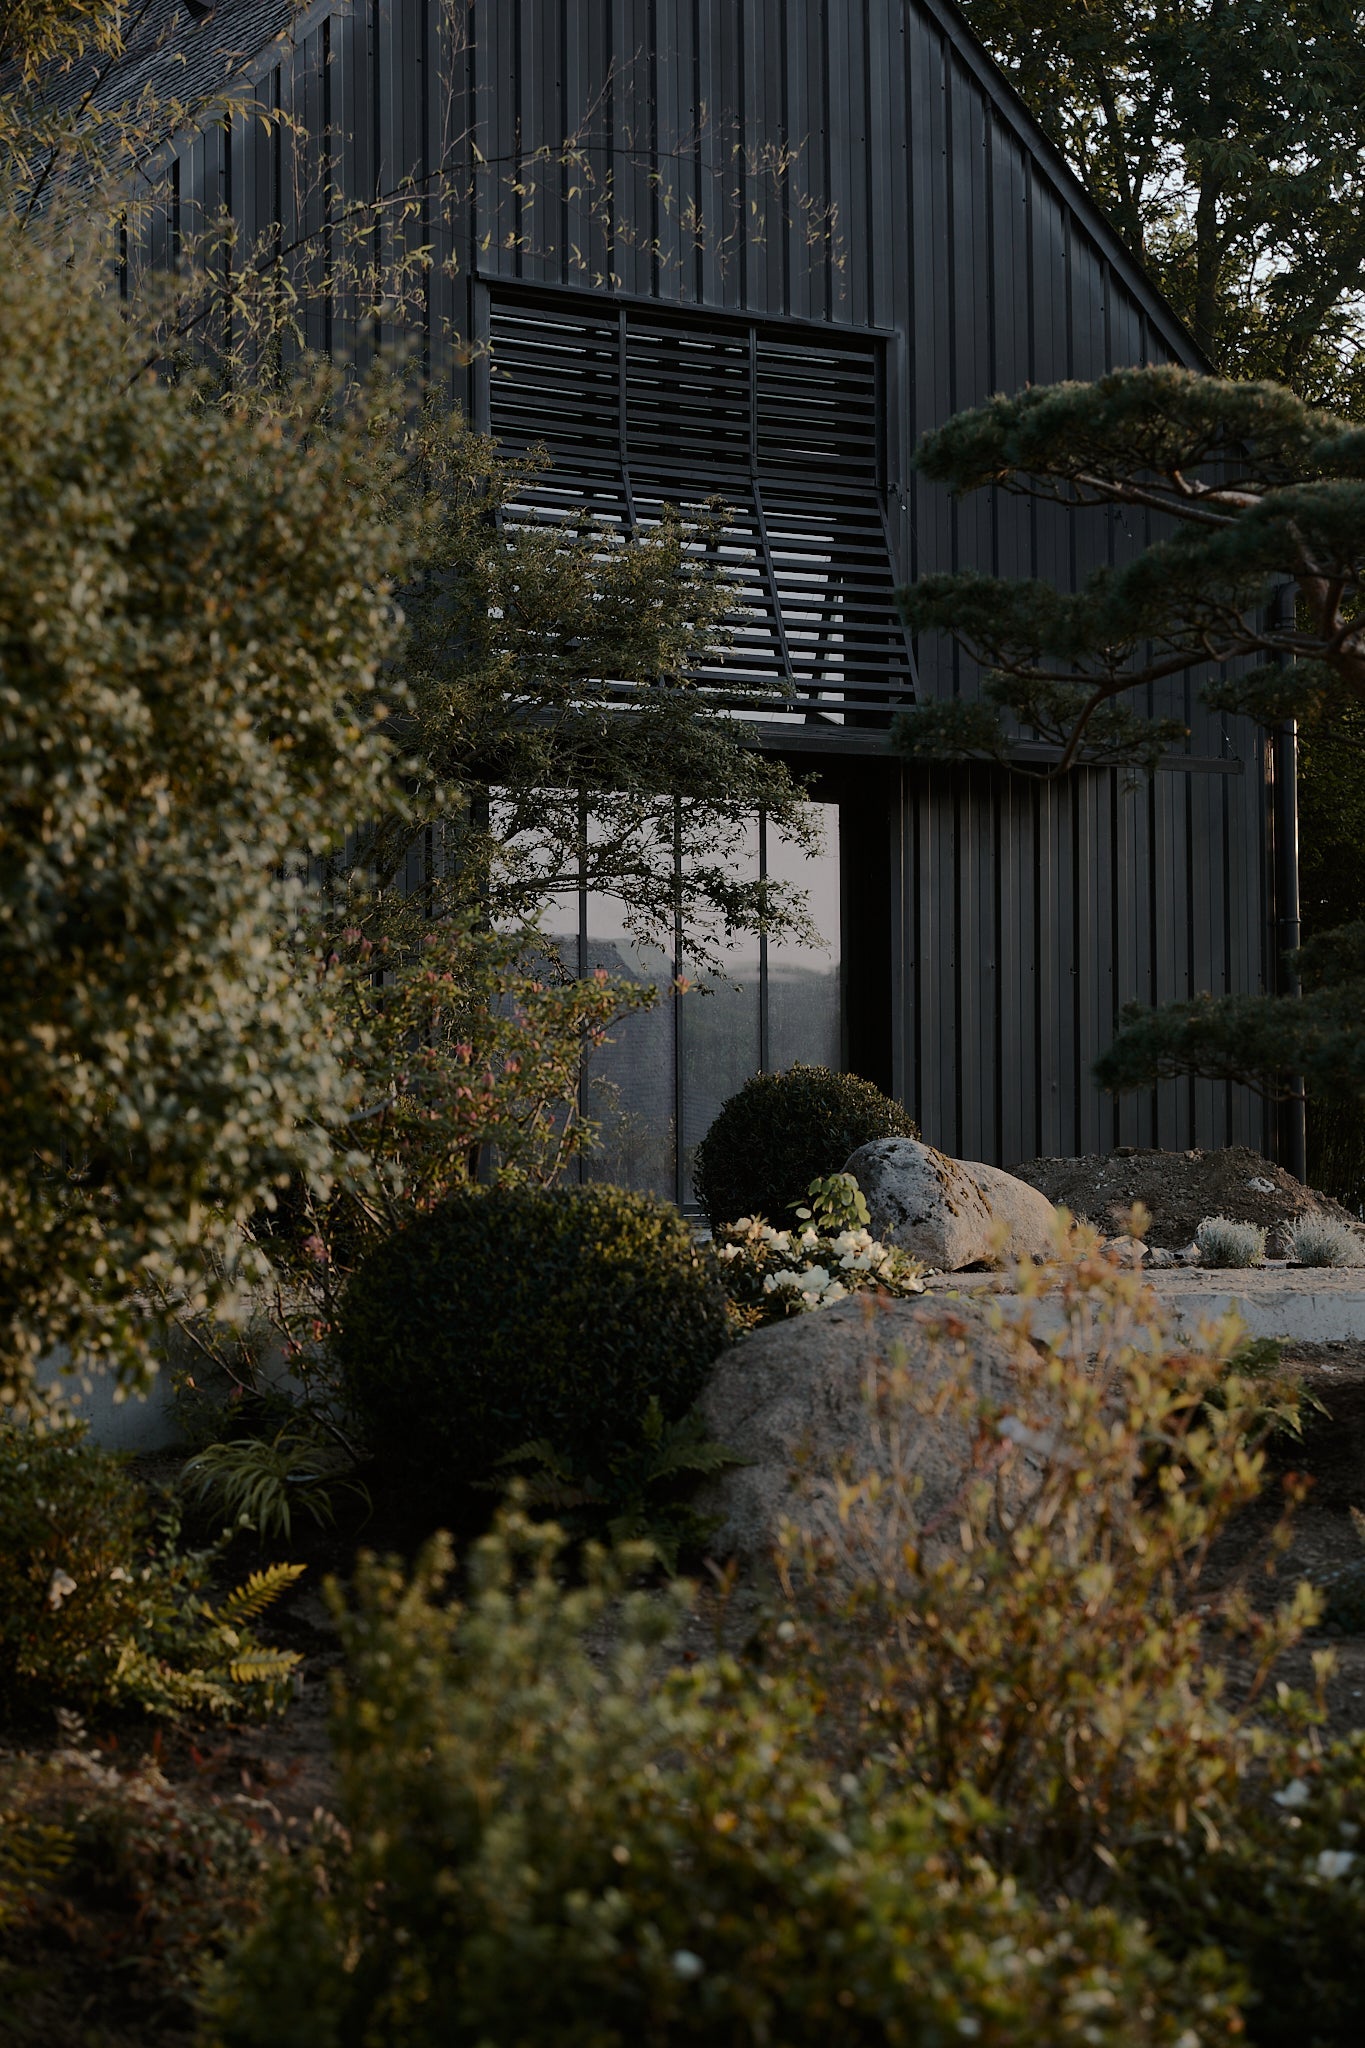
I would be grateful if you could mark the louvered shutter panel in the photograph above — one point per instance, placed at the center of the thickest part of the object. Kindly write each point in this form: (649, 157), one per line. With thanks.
(639, 409)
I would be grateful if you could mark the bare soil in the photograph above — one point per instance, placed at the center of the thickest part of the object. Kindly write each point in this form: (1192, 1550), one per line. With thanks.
(1179, 1189)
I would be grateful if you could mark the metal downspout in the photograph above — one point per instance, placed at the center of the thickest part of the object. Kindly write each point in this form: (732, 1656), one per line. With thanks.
(1293, 1117)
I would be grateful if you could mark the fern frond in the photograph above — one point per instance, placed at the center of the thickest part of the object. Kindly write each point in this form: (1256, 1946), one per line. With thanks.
(33, 1855)
(261, 1666)
(690, 1456)
(539, 1451)
(257, 1593)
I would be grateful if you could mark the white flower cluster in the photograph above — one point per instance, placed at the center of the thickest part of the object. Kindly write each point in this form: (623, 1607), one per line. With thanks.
(858, 1251)
(807, 1268)
(1330, 1863)
(816, 1285)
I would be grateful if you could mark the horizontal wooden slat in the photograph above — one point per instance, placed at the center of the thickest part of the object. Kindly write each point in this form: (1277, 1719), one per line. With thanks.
(637, 411)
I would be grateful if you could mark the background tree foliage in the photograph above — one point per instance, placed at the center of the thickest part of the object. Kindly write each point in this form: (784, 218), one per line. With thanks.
(1226, 139)
(522, 644)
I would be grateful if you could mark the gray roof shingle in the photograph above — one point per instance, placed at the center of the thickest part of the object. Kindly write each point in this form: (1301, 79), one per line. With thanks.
(171, 57)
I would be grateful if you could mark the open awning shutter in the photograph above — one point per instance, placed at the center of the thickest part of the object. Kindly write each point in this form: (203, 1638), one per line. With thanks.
(639, 408)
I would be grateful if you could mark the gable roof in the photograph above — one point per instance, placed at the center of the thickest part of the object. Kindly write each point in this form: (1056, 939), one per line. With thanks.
(1012, 109)
(176, 59)
(173, 58)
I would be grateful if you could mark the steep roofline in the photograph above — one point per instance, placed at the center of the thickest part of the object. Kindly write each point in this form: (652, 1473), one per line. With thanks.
(1003, 94)
(975, 58)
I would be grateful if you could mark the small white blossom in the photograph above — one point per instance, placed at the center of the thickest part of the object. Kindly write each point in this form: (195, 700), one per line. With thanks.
(60, 1584)
(1335, 1862)
(686, 1965)
(1295, 1793)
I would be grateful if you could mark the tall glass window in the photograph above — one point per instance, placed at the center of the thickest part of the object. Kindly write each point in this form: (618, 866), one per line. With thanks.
(657, 1087)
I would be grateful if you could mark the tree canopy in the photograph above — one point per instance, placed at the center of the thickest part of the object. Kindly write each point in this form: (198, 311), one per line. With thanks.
(523, 644)
(1226, 139)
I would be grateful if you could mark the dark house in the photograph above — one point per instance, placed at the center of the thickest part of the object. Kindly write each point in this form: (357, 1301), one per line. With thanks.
(754, 248)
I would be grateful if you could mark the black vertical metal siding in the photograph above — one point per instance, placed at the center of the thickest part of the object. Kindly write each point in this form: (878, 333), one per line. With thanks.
(855, 162)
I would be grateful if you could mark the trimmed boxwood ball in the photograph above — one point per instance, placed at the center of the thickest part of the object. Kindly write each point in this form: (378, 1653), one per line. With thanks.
(510, 1314)
(781, 1132)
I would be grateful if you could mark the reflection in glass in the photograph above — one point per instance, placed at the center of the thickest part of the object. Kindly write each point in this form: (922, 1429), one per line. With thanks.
(805, 1011)
(630, 1085)
(720, 1033)
(655, 1089)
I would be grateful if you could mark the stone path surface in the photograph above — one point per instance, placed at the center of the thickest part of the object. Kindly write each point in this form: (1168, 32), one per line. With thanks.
(1310, 1305)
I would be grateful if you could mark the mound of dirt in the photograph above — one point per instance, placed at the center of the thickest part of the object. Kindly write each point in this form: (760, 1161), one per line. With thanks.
(1180, 1189)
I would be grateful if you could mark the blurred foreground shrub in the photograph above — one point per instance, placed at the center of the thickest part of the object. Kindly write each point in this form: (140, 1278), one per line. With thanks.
(1047, 1641)
(1282, 1892)
(547, 1842)
(116, 1889)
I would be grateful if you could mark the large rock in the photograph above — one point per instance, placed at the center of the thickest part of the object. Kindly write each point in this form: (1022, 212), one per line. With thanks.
(1027, 1215)
(843, 1392)
(950, 1212)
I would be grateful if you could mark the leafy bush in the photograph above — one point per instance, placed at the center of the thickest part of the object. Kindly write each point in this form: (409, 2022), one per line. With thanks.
(1281, 1890)
(508, 1315)
(98, 1607)
(1222, 1242)
(1322, 1241)
(195, 611)
(551, 1846)
(122, 1887)
(781, 1132)
(829, 1253)
(1043, 1640)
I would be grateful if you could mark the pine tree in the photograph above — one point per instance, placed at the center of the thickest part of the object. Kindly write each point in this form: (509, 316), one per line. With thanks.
(1256, 572)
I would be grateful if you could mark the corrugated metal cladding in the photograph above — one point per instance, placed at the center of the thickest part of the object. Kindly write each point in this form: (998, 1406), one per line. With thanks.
(858, 165)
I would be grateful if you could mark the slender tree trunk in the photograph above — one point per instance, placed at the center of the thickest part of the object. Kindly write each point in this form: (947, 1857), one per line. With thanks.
(1208, 265)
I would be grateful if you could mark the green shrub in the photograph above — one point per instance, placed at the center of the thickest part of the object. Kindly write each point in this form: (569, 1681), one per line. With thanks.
(546, 1845)
(1281, 1890)
(99, 1607)
(510, 1315)
(781, 1132)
